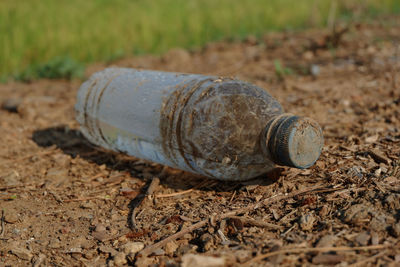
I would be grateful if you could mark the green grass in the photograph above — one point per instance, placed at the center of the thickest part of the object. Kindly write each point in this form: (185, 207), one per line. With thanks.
(38, 34)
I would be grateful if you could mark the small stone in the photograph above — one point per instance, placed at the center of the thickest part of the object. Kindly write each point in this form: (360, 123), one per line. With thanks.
(190, 260)
(186, 248)
(100, 228)
(170, 248)
(147, 261)
(120, 259)
(11, 104)
(107, 249)
(89, 255)
(81, 242)
(378, 224)
(374, 238)
(101, 236)
(10, 217)
(129, 193)
(327, 241)
(207, 241)
(396, 230)
(327, 259)
(356, 171)
(243, 255)
(16, 231)
(357, 213)
(363, 239)
(56, 177)
(393, 200)
(22, 253)
(10, 179)
(75, 250)
(133, 247)
(306, 222)
(324, 211)
(308, 55)
(158, 252)
(315, 70)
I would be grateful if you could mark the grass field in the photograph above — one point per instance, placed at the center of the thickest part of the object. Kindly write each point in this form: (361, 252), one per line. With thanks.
(41, 35)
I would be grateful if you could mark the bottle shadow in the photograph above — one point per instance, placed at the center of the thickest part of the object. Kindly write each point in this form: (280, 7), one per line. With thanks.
(73, 143)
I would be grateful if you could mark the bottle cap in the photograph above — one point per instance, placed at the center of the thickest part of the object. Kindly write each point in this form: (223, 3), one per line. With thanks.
(294, 141)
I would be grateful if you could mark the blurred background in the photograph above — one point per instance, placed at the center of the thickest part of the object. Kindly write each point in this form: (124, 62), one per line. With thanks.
(58, 38)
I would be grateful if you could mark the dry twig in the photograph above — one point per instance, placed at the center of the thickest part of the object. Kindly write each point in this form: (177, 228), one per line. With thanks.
(17, 186)
(150, 191)
(2, 219)
(252, 222)
(148, 250)
(84, 199)
(174, 194)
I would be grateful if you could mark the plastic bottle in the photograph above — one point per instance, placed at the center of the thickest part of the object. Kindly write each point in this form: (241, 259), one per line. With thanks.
(218, 127)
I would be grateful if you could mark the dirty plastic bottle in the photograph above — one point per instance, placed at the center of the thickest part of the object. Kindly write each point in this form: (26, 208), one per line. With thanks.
(218, 127)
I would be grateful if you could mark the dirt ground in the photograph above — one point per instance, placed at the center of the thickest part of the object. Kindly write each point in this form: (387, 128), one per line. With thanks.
(65, 202)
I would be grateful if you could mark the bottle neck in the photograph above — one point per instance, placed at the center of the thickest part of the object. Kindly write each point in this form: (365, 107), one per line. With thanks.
(292, 141)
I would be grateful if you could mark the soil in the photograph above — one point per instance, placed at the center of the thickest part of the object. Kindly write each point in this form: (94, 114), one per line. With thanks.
(65, 202)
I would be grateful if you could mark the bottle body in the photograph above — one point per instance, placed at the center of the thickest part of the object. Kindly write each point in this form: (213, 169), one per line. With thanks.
(202, 124)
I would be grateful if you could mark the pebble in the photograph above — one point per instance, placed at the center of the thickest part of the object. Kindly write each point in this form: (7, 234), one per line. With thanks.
(327, 259)
(170, 248)
(22, 253)
(100, 235)
(327, 241)
(306, 221)
(207, 241)
(11, 104)
(190, 260)
(397, 258)
(186, 248)
(100, 232)
(56, 177)
(133, 247)
(107, 249)
(10, 179)
(81, 242)
(158, 252)
(374, 238)
(100, 228)
(120, 259)
(363, 239)
(243, 255)
(396, 230)
(378, 224)
(89, 255)
(315, 70)
(16, 231)
(357, 213)
(393, 201)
